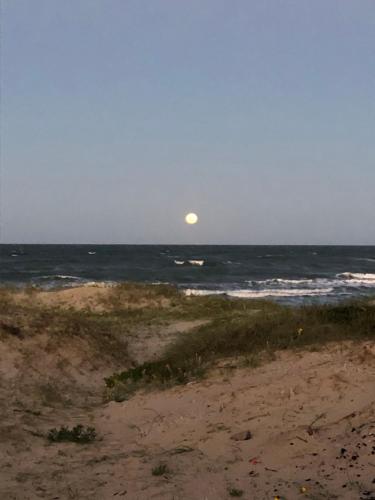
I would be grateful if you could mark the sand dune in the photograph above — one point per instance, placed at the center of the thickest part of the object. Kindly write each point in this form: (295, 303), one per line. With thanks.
(310, 417)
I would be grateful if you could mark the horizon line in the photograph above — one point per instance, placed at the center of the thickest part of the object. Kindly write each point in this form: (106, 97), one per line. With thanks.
(199, 244)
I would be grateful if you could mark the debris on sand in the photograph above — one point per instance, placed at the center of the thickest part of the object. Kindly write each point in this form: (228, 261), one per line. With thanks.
(242, 436)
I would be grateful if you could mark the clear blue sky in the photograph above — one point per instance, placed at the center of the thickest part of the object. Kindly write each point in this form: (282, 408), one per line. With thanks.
(119, 116)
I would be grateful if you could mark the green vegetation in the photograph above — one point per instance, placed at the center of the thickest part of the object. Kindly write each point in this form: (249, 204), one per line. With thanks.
(132, 295)
(77, 434)
(234, 492)
(160, 470)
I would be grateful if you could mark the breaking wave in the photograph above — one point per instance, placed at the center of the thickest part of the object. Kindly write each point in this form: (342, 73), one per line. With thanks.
(364, 278)
(247, 294)
(342, 284)
(190, 262)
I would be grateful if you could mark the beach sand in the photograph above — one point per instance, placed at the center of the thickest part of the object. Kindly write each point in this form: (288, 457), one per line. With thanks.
(308, 419)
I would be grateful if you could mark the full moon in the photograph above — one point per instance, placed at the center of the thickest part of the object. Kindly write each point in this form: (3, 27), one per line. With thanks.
(191, 218)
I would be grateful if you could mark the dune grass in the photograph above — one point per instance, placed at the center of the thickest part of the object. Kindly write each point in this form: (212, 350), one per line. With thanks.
(103, 332)
(254, 331)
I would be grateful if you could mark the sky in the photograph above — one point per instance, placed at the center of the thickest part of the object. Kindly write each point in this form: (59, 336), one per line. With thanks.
(120, 116)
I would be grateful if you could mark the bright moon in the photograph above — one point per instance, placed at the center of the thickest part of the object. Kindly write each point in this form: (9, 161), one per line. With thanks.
(191, 218)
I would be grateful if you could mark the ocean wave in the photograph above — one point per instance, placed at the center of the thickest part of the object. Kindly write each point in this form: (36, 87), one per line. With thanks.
(247, 294)
(357, 276)
(340, 285)
(366, 280)
(281, 281)
(301, 292)
(191, 262)
(346, 279)
(270, 255)
(56, 277)
(196, 262)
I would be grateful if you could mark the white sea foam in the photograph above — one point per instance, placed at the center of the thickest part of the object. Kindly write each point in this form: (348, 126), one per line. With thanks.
(261, 293)
(301, 292)
(358, 279)
(340, 280)
(281, 281)
(357, 276)
(341, 284)
(189, 262)
(195, 292)
(61, 277)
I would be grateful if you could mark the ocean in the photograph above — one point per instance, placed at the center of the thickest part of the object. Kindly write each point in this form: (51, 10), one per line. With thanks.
(290, 274)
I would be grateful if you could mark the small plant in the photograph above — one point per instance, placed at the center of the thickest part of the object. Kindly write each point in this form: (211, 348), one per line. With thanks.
(77, 434)
(252, 361)
(160, 470)
(234, 492)
(121, 385)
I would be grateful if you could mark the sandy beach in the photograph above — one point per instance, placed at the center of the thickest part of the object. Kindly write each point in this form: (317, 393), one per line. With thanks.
(301, 425)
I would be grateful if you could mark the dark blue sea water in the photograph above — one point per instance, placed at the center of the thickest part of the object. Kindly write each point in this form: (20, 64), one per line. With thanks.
(284, 273)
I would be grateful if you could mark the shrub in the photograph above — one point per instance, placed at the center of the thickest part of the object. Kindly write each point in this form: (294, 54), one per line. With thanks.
(160, 470)
(77, 434)
(234, 492)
